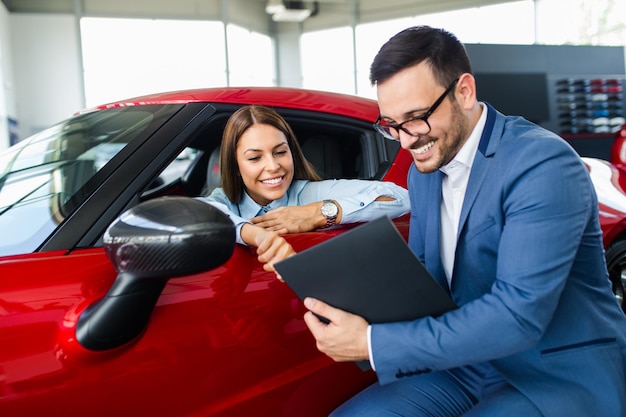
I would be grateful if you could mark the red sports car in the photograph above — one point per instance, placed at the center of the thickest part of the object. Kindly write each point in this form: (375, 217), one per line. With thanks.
(199, 329)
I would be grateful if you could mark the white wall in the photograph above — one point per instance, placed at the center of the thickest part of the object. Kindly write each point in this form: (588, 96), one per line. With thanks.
(46, 62)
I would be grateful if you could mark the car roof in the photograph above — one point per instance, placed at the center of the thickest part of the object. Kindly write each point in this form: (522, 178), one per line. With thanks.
(322, 101)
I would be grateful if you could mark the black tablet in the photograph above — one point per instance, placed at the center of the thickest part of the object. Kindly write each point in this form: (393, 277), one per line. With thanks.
(369, 271)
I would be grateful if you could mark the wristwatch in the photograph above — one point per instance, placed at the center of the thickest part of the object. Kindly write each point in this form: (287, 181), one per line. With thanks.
(330, 211)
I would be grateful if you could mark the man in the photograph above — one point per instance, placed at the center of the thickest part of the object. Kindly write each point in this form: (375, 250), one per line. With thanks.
(504, 215)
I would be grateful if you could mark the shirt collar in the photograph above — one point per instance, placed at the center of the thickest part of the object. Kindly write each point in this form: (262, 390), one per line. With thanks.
(465, 156)
(249, 208)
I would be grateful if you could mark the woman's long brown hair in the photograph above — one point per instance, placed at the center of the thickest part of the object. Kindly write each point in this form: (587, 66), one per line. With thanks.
(237, 124)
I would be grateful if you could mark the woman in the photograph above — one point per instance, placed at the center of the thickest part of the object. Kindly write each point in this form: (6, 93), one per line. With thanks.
(269, 188)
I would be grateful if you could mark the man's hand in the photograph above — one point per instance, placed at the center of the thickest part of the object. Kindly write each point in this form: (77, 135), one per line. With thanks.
(344, 338)
(292, 219)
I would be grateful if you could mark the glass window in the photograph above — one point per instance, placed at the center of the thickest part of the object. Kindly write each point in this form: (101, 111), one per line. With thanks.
(250, 57)
(124, 58)
(328, 68)
(581, 22)
(369, 38)
(506, 23)
(509, 23)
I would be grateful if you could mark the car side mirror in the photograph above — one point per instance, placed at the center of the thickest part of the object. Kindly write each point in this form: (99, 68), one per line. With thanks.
(152, 242)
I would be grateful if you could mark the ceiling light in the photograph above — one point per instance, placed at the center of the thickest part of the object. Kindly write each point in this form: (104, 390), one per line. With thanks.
(291, 15)
(275, 6)
(291, 11)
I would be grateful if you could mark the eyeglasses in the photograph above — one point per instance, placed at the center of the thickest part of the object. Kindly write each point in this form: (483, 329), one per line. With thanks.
(414, 124)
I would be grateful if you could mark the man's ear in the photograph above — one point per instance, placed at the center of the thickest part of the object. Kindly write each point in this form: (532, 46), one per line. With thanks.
(466, 91)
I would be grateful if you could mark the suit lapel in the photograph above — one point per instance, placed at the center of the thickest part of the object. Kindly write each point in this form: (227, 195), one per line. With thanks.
(433, 229)
(486, 148)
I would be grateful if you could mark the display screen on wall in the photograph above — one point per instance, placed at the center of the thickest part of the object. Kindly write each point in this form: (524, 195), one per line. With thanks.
(516, 94)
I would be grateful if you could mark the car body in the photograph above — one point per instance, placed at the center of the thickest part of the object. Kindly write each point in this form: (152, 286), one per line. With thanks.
(618, 148)
(612, 180)
(229, 341)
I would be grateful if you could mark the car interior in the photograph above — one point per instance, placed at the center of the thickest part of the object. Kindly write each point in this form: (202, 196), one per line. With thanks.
(337, 149)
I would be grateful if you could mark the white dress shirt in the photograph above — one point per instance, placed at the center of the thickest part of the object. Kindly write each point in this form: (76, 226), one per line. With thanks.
(455, 179)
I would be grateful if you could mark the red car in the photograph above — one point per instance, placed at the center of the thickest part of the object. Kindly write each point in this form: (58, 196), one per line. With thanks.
(612, 182)
(197, 329)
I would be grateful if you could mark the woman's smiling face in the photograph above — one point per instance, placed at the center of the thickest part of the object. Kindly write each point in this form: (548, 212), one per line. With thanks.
(265, 163)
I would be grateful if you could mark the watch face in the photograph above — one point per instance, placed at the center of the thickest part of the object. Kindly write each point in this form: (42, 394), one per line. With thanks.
(329, 209)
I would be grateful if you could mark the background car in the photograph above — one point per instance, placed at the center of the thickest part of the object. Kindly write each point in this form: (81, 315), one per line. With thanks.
(229, 341)
(613, 182)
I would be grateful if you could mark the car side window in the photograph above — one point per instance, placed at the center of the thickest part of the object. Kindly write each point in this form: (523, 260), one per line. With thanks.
(346, 153)
(45, 175)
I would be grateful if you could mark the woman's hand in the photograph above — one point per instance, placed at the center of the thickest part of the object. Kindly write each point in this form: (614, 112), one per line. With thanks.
(293, 219)
(271, 246)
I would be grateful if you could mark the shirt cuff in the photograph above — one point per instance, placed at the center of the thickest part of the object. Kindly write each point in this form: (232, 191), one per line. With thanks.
(369, 347)
(238, 234)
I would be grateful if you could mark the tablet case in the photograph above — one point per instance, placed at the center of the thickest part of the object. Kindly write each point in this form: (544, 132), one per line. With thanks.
(369, 271)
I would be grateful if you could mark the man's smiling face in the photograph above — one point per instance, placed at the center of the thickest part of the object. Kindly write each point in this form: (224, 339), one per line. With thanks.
(410, 93)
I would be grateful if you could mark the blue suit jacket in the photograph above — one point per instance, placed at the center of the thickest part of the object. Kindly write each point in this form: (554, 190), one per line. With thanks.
(529, 278)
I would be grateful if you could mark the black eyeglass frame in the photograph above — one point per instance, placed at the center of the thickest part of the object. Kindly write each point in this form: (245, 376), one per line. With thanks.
(384, 129)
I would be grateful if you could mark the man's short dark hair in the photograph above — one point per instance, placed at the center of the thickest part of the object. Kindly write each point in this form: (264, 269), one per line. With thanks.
(439, 48)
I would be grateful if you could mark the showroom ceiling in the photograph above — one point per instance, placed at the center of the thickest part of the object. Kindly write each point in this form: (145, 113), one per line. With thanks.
(150, 6)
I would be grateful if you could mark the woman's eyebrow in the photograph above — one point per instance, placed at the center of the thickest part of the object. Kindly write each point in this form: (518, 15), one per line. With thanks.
(260, 150)
(252, 150)
(281, 144)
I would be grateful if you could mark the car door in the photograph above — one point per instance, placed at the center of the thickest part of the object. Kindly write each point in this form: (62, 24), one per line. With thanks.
(226, 342)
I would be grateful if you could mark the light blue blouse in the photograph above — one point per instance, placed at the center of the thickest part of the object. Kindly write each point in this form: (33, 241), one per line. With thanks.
(356, 198)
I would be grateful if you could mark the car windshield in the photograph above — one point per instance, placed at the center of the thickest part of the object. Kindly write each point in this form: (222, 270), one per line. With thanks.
(40, 177)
